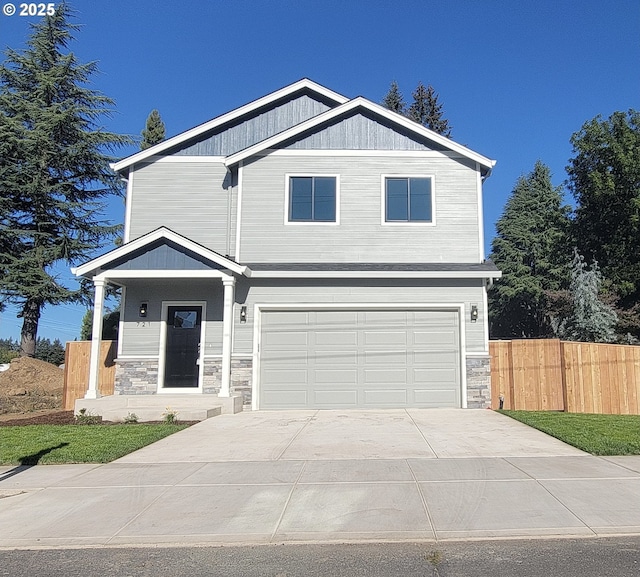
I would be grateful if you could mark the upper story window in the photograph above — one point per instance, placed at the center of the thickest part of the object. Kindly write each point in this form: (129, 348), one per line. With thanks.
(312, 199)
(408, 199)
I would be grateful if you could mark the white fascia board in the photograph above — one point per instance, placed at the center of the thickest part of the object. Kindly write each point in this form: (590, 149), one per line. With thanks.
(117, 275)
(157, 234)
(376, 274)
(360, 102)
(229, 116)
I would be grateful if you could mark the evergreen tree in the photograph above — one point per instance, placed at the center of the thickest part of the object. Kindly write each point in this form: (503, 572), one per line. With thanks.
(54, 170)
(531, 249)
(394, 100)
(110, 323)
(154, 130)
(426, 110)
(604, 177)
(50, 352)
(591, 319)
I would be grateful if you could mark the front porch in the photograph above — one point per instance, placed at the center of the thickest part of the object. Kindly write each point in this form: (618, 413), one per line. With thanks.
(155, 407)
(175, 334)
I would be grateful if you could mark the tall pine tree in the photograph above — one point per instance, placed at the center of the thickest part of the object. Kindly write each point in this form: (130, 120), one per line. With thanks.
(531, 249)
(604, 177)
(394, 100)
(154, 130)
(54, 170)
(426, 110)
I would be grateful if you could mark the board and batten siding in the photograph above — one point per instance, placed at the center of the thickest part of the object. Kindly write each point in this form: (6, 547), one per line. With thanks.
(263, 124)
(141, 336)
(355, 292)
(360, 235)
(189, 198)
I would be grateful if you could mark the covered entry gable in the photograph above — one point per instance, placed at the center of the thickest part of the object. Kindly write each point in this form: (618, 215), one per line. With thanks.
(161, 252)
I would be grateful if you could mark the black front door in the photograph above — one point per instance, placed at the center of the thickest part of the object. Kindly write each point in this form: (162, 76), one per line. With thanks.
(183, 346)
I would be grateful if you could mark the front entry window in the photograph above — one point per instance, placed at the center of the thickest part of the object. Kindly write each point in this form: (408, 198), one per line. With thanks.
(183, 346)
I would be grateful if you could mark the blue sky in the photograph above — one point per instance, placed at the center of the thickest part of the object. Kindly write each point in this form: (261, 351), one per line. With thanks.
(516, 79)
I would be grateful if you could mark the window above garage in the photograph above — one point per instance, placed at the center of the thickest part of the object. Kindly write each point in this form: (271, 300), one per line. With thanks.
(312, 199)
(407, 200)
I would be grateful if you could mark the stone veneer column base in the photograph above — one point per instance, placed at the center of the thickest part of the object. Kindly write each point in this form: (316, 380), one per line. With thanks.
(241, 373)
(136, 377)
(479, 382)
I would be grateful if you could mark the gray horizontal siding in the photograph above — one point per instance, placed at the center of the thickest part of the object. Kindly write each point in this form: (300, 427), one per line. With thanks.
(359, 133)
(188, 198)
(360, 236)
(230, 139)
(141, 336)
(383, 292)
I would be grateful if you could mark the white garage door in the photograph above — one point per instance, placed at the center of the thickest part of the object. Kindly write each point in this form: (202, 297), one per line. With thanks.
(359, 359)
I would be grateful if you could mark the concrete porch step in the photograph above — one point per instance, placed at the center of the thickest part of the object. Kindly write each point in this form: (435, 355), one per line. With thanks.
(155, 414)
(154, 407)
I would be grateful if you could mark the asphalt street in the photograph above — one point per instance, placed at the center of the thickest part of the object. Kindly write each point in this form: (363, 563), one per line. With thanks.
(593, 557)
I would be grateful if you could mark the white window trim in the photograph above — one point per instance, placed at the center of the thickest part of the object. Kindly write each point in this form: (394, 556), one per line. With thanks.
(383, 201)
(162, 390)
(259, 308)
(287, 181)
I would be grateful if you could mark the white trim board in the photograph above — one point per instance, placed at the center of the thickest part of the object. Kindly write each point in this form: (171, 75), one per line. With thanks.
(374, 274)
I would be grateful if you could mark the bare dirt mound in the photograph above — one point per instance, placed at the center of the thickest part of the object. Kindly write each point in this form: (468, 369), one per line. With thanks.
(30, 385)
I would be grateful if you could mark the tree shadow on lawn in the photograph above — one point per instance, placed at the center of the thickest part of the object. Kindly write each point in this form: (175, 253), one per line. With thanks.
(29, 461)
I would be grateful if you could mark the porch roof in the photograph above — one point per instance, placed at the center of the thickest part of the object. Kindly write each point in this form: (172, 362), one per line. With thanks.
(161, 252)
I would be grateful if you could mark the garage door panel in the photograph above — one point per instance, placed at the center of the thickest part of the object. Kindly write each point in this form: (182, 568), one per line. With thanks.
(384, 318)
(332, 338)
(436, 358)
(332, 397)
(385, 397)
(364, 358)
(330, 358)
(335, 319)
(436, 397)
(286, 339)
(391, 338)
(286, 399)
(435, 318)
(398, 376)
(385, 357)
(284, 376)
(435, 375)
(335, 376)
(435, 339)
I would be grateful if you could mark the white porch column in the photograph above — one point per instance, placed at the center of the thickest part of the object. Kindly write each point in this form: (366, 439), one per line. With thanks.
(227, 328)
(96, 335)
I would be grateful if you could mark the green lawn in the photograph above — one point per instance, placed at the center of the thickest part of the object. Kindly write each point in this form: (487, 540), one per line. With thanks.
(595, 434)
(48, 444)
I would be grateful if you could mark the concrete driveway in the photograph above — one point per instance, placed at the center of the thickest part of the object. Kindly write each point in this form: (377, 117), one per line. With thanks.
(327, 476)
(371, 434)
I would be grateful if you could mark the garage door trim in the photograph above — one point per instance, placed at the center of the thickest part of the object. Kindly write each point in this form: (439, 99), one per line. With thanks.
(259, 308)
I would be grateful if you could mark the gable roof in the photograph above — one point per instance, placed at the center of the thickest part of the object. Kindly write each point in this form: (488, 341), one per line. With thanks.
(348, 107)
(147, 241)
(305, 83)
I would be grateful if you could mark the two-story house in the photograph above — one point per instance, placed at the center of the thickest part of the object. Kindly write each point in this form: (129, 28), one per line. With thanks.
(305, 250)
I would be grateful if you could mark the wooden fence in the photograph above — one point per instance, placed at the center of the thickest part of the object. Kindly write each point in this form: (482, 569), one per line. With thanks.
(76, 370)
(533, 375)
(553, 375)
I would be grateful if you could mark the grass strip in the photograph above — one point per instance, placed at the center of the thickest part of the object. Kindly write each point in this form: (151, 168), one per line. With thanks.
(57, 444)
(603, 435)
